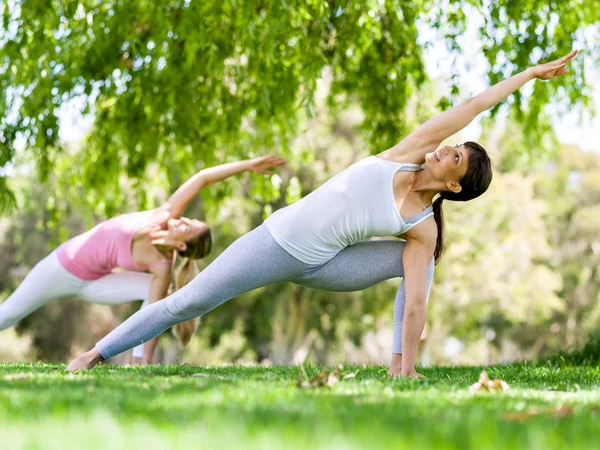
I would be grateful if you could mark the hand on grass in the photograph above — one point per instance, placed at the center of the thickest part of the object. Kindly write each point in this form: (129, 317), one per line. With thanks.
(396, 371)
(412, 374)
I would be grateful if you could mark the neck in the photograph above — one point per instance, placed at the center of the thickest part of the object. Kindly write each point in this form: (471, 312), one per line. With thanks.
(426, 187)
(166, 251)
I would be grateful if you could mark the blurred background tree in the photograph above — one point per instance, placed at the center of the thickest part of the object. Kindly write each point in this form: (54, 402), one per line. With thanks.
(175, 82)
(170, 87)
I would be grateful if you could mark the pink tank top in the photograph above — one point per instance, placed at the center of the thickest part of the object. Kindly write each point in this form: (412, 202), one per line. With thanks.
(97, 252)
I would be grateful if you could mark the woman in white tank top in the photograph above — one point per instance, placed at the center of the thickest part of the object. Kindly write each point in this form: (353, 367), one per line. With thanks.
(320, 242)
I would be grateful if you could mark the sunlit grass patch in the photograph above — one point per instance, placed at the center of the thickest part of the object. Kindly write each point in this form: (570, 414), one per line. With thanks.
(550, 406)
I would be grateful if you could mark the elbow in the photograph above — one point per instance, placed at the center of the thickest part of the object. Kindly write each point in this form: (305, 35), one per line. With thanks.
(474, 106)
(415, 309)
(470, 101)
(203, 178)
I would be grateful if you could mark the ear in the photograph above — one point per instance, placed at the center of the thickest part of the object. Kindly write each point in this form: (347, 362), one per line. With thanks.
(182, 246)
(453, 186)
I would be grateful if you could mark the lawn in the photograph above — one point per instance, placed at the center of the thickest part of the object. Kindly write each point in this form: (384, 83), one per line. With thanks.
(547, 406)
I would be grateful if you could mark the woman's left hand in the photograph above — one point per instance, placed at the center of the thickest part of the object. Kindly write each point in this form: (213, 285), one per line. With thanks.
(554, 68)
(262, 164)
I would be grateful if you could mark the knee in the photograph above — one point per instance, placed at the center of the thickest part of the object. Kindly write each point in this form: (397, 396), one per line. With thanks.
(182, 307)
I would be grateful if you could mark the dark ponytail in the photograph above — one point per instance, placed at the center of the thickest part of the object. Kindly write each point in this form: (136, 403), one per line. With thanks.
(474, 183)
(438, 215)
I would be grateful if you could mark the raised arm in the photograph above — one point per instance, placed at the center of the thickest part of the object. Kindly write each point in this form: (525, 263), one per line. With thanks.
(190, 189)
(428, 136)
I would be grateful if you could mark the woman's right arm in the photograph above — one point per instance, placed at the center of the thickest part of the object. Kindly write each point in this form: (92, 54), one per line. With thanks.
(428, 136)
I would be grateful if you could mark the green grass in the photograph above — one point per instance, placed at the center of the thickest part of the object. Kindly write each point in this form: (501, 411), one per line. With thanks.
(160, 407)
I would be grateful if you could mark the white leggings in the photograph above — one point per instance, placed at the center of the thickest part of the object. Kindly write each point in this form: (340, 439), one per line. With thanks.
(49, 280)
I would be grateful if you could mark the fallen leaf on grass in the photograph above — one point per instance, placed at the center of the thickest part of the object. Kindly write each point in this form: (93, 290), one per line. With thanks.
(521, 416)
(485, 384)
(562, 410)
(17, 376)
(333, 378)
(320, 380)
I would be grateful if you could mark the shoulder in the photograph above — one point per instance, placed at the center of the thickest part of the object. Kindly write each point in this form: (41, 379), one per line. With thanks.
(425, 233)
(408, 150)
(158, 216)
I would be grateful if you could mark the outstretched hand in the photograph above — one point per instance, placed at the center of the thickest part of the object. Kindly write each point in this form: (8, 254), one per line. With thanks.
(554, 68)
(262, 164)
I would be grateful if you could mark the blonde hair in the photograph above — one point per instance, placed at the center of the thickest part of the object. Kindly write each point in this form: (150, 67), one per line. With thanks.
(186, 272)
(199, 246)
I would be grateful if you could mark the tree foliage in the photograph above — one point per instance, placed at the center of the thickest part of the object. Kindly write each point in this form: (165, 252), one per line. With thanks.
(175, 81)
(516, 34)
(177, 85)
(178, 81)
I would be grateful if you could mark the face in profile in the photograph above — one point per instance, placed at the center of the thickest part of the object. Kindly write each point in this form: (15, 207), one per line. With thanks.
(183, 230)
(449, 165)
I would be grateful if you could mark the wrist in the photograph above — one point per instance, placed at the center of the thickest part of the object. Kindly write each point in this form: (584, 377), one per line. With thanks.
(94, 356)
(396, 360)
(530, 74)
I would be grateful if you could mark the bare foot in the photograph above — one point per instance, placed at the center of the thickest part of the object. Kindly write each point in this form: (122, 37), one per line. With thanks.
(86, 360)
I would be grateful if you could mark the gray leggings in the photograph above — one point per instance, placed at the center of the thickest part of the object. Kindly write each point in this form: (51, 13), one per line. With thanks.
(257, 260)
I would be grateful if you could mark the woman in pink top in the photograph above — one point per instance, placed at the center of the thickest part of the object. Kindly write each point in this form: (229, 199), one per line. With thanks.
(143, 244)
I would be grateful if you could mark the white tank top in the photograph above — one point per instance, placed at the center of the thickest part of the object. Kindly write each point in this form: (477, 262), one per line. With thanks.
(356, 204)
